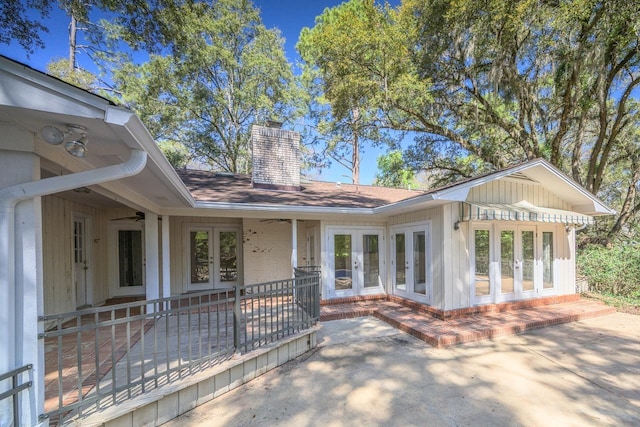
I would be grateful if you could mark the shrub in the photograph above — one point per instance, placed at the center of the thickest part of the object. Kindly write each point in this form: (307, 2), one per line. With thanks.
(611, 270)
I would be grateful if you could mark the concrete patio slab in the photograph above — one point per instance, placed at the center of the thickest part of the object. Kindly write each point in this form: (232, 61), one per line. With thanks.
(576, 374)
(411, 318)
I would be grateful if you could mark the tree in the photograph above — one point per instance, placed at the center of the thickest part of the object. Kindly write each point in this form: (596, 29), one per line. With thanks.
(486, 84)
(353, 53)
(393, 171)
(16, 25)
(225, 72)
(516, 80)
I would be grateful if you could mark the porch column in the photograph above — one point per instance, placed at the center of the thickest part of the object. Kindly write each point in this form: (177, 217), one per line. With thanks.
(294, 243)
(152, 255)
(166, 258)
(21, 287)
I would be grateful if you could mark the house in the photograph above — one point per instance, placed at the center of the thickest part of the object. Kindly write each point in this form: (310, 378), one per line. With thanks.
(90, 210)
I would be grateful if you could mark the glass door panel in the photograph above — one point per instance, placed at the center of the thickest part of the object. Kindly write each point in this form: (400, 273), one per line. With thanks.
(419, 263)
(507, 261)
(371, 260)
(401, 262)
(343, 262)
(482, 259)
(547, 260)
(528, 259)
(200, 270)
(228, 256)
(130, 263)
(80, 260)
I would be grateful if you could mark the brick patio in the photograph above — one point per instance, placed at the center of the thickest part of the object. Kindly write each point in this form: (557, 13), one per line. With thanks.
(446, 328)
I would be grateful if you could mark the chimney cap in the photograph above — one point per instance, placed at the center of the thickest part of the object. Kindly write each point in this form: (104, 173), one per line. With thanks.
(274, 124)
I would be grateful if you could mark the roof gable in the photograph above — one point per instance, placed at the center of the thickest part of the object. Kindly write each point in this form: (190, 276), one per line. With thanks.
(537, 171)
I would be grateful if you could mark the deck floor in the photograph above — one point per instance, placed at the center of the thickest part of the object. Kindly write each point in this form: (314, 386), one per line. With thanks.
(127, 359)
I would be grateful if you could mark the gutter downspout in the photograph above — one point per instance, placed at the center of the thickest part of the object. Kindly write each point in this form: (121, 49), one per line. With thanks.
(9, 198)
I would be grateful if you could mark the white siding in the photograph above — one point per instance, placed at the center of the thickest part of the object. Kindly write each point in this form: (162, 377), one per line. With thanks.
(267, 250)
(512, 191)
(57, 249)
(455, 260)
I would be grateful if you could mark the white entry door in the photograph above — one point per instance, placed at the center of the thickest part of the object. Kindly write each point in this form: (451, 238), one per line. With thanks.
(517, 249)
(127, 269)
(511, 262)
(411, 262)
(213, 257)
(355, 261)
(80, 261)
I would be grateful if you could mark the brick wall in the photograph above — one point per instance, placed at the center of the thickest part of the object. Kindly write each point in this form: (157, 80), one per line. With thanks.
(276, 158)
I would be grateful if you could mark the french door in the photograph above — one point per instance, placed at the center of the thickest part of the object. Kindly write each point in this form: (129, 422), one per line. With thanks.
(511, 262)
(212, 257)
(355, 261)
(411, 262)
(127, 260)
(517, 263)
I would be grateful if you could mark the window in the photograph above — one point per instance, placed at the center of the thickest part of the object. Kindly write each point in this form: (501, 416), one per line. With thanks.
(482, 258)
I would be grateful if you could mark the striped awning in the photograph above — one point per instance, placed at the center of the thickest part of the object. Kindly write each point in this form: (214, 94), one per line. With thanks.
(522, 211)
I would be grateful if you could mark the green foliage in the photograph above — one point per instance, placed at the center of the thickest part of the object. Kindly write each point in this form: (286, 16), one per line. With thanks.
(354, 57)
(611, 270)
(16, 25)
(226, 72)
(176, 153)
(393, 172)
(77, 77)
(487, 84)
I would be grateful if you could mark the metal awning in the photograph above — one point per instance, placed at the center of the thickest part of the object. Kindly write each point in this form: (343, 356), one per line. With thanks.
(522, 211)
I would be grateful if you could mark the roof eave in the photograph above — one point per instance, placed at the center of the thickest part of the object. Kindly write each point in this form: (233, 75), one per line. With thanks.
(284, 209)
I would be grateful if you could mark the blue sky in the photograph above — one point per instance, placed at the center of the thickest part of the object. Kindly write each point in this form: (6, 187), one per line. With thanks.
(290, 16)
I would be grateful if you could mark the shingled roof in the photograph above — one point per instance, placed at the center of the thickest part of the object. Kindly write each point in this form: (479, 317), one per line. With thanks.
(212, 187)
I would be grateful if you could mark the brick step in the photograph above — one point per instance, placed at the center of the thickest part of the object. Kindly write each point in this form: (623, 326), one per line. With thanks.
(484, 324)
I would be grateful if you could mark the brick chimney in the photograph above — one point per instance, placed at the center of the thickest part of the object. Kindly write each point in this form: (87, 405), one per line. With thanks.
(275, 154)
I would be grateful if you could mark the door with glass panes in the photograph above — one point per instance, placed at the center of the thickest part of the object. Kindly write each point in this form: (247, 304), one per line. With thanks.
(355, 261)
(212, 257)
(511, 262)
(517, 249)
(411, 262)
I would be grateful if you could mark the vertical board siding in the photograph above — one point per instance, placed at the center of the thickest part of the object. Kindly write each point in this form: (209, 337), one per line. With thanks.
(57, 252)
(267, 250)
(507, 191)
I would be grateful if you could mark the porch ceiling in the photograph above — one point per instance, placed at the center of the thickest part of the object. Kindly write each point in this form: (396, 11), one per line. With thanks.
(30, 100)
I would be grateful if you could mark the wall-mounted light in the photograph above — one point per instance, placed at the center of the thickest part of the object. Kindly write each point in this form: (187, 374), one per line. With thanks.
(75, 135)
(52, 135)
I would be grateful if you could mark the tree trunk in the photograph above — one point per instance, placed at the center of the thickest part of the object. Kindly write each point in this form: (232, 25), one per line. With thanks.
(73, 30)
(355, 156)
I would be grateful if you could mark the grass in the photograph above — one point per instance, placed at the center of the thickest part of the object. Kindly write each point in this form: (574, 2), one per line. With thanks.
(626, 304)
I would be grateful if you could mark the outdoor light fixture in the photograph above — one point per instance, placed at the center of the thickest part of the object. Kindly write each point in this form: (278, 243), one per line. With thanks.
(52, 135)
(77, 146)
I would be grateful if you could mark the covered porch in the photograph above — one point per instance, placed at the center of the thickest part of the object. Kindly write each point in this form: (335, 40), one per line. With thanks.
(99, 359)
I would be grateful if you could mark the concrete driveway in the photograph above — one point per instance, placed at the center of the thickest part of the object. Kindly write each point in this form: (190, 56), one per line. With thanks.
(366, 373)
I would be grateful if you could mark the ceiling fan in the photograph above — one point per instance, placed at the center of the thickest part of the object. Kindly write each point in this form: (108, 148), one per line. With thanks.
(278, 220)
(139, 216)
